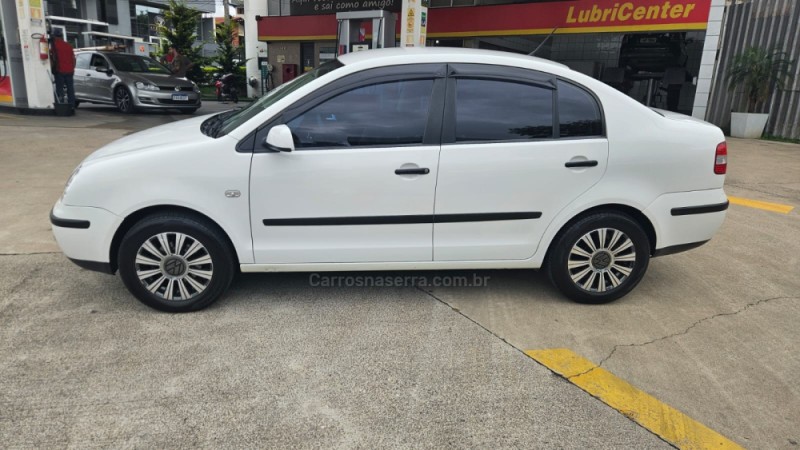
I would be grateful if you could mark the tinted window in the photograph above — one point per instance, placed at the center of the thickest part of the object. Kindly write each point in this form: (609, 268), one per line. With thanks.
(137, 64)
(488, 110)
(98, 61)
(578, 112)
(394, 113)
(82, 60)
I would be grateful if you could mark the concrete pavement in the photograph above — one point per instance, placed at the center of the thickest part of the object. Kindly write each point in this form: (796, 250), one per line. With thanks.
(277, 363)
(711, 332)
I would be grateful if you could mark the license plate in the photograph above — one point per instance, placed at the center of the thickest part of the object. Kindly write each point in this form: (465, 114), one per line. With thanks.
(180, 97)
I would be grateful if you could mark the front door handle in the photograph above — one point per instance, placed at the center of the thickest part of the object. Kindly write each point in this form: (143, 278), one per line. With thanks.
(573, 164)
(413, 171)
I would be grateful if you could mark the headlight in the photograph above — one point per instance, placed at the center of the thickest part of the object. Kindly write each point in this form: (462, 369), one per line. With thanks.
(69, 181)
(196, 87)
(146, 86)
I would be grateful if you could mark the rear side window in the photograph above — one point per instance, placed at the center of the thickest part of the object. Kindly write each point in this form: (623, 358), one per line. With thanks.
(490, 110)
(578, 112)
(393, 113)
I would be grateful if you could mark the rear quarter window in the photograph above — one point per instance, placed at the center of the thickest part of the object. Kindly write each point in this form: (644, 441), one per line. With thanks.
(578, 112)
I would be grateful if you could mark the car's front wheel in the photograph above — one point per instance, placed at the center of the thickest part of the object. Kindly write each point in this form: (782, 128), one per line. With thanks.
(175, 262)
(599, 258)
(124, 100)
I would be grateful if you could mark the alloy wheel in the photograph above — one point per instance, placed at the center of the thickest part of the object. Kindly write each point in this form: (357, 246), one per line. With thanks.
(123, 100)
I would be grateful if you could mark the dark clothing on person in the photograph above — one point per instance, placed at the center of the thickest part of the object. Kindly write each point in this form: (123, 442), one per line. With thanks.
(66, 80)
(180, 65)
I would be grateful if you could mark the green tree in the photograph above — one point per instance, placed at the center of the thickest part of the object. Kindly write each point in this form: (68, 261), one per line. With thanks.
(758, 72)
(226, 51)
(180, 30)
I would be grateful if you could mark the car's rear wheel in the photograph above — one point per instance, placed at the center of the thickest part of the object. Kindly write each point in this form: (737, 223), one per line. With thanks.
(124, 100)
(175, 262)
(599, 258)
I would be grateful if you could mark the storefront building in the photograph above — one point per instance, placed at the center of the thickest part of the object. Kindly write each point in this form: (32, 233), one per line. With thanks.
(660, 52)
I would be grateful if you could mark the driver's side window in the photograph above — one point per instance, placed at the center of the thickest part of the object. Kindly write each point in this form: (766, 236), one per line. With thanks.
(99, 62)
(385, 114)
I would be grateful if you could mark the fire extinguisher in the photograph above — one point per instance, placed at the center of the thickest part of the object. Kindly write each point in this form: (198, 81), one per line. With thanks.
(44, 48)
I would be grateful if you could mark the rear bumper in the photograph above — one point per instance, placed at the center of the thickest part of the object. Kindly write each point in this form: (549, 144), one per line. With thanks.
(686, 220)
(84, 234)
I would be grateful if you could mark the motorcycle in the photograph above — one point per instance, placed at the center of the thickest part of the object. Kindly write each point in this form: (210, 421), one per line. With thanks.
(226, 88)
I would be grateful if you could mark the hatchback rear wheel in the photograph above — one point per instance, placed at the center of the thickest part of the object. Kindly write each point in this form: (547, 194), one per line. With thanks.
(175, 262)
(599, 258)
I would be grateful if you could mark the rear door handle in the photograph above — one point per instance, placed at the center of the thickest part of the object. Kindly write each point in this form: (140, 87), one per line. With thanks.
(413, 171)
(573, 164)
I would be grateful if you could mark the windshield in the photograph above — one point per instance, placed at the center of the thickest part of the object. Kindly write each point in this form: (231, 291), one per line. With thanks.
(136, 64)
(233, 121)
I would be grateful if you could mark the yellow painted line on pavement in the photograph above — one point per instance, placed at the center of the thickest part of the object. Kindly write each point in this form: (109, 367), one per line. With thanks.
(661, 419)
(767, 206)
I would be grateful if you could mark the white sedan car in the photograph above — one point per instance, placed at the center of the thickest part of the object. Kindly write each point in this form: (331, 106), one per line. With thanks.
(401, 159)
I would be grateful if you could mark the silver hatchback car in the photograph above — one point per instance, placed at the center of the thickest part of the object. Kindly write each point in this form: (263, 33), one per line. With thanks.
(131, 82)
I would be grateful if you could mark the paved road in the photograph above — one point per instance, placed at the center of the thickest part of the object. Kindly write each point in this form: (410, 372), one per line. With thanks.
(711, 332)
(279, 363)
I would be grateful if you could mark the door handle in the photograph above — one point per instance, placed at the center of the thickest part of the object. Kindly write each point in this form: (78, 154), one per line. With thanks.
(413, 171)
(573, 164)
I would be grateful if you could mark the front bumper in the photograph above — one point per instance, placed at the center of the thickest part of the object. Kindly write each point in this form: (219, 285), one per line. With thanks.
(164, 99)
(684, 220)
(84, 234)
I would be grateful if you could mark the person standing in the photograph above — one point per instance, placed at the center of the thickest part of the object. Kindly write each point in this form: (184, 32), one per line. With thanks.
(63, 67)
(179, 64)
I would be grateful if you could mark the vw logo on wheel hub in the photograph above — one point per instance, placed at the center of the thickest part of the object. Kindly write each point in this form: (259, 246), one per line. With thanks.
(601, 260)
(174, 267)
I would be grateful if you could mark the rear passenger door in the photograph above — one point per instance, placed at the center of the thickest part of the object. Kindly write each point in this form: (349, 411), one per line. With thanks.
(518, 146)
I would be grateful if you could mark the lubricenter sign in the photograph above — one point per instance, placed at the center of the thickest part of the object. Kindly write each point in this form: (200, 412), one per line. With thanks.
(566, 16)
(629, 11)
(576, 16)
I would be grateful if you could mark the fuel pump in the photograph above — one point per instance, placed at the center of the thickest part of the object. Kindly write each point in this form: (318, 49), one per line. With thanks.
(25, 78)
(353, 26)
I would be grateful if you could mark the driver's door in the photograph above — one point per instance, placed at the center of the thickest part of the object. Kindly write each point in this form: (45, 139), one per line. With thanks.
(360, 185)
(98, 84)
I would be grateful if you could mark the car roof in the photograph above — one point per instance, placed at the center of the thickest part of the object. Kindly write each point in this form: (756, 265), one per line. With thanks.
(405, 55)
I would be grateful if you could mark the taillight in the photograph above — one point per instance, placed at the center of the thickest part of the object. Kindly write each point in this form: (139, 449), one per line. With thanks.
(721, 159)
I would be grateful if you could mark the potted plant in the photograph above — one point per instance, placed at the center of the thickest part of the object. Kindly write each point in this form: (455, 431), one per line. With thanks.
(758, 72)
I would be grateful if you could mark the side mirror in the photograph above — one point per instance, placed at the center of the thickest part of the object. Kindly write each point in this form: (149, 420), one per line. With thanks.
(279, 139)
(104, 70)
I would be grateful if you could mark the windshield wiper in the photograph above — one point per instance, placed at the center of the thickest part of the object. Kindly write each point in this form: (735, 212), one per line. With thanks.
(212, 126)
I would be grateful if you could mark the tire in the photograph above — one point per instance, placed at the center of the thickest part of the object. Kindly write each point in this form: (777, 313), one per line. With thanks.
(124, 100)
(184, 278)
(615, 260)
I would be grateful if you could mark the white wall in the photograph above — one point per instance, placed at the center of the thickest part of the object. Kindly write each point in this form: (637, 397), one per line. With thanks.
(709, 60)
(253, 48)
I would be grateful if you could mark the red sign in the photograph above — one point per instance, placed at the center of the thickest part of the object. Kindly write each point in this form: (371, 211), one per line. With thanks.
(5, 90)
(576, 16)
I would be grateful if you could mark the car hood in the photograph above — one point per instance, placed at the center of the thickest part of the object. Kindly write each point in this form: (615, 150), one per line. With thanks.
(173, 134)
(159, 79)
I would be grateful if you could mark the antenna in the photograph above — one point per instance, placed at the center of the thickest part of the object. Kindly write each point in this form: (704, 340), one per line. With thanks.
(545, 40)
